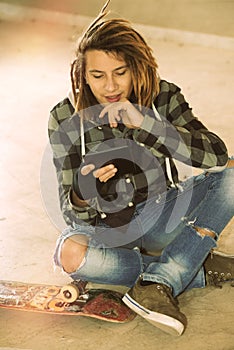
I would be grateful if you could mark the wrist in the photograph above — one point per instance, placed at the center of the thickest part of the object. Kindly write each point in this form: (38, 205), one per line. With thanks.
(77, 201)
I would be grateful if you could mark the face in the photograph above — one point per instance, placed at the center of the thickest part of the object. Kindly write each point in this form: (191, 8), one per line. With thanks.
(108, 76)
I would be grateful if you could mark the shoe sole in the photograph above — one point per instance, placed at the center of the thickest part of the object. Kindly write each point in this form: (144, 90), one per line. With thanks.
(166, 323)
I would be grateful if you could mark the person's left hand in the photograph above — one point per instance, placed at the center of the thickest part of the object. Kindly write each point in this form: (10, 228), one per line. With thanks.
(123, 111)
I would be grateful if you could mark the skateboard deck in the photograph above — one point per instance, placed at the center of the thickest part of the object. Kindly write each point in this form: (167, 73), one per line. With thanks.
(73, 299)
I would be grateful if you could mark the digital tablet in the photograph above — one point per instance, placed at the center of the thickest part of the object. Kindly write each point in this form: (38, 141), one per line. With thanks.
(103, 156)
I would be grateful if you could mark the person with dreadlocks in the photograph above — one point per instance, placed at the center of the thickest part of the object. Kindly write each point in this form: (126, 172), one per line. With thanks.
(114, 141)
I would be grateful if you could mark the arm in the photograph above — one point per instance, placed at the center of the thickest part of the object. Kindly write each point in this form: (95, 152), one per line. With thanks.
(65, 145)
(180, 134)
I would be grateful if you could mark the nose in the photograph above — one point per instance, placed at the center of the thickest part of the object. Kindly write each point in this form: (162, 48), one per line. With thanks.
(110, 84)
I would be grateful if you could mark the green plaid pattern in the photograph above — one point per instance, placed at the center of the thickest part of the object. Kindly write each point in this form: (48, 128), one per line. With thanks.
(177, 135)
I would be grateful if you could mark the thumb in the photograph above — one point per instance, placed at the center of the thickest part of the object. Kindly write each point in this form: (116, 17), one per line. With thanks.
(87, 169)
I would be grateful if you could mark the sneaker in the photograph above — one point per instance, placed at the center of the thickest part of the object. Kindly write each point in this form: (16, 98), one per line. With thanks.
(155, 303)
(219, 269)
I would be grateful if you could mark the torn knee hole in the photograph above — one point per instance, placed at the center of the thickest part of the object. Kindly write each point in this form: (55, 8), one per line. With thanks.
(72, 255)
(205, 232)
(72, 267)
(202, 231)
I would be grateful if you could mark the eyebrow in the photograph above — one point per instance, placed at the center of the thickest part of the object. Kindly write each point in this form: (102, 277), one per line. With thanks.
(99, 71)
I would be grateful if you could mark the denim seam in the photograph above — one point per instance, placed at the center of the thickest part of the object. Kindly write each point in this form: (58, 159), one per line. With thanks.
(140, 263)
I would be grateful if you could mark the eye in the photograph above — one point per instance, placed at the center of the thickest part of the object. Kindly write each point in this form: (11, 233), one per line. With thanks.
(97, 76)
(121, 72)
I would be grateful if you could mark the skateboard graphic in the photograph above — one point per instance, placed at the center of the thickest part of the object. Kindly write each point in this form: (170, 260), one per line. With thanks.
(73, 299)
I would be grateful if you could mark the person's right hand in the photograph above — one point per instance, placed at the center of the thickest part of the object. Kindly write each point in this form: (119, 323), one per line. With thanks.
(83, 184)
(105, 173)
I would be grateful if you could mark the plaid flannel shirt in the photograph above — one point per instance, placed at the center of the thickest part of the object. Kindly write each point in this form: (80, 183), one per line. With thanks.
(171, 132)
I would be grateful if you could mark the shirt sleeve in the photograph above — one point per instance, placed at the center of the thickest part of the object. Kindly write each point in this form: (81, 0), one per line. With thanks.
(179, 134)
(65, 143)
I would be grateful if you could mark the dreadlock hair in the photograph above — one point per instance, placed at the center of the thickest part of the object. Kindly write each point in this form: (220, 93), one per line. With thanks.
(115, 36)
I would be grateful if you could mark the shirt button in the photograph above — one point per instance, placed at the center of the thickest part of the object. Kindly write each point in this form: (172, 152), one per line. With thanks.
(142, 144)
(99, 127)
(130, 204)
(128, 180)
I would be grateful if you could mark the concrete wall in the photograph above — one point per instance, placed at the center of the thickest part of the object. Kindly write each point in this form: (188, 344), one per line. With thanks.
(204, 16)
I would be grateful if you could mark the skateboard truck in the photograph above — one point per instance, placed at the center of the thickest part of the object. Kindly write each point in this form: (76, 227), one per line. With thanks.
(72, 291)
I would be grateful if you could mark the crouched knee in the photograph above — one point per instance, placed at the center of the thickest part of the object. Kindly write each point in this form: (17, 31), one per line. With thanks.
(73, 252)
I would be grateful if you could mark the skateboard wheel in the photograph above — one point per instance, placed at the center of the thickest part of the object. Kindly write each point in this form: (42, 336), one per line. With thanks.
(69, 293)
(56, 305)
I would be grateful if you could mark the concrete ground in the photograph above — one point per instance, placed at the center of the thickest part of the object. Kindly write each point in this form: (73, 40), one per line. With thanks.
(35, 59)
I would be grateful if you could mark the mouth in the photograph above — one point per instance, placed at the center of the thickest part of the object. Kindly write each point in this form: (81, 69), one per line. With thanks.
(113, 98)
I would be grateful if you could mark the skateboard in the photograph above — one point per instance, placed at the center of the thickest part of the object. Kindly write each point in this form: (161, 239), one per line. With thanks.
(73, 299)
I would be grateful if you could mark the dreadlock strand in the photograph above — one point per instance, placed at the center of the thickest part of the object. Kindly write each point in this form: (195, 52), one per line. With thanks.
(73, 80)
(101, 14)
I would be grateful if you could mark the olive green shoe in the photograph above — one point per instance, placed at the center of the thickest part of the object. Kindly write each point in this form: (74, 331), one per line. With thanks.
(219, 269)
(156, 304)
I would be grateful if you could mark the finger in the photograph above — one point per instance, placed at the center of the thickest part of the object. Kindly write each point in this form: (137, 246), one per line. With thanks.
(104, 111)
(113, 114)
(112, 123)
(101, 171)
(108, 175)
(105, 173)
(113, 118)
(87, 169)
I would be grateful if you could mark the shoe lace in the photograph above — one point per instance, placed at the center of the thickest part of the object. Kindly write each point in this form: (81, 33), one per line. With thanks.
(216, 278)
(167, 293)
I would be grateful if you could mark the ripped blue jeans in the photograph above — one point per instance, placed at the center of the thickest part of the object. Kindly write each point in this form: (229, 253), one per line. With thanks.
(166, 224)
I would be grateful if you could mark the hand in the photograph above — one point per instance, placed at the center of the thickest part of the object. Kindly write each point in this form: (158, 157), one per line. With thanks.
(105, 173)
(124, 111)
(83, 180)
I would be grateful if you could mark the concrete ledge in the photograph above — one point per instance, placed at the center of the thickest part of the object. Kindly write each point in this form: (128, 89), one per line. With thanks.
(21, 13)
(185, 37)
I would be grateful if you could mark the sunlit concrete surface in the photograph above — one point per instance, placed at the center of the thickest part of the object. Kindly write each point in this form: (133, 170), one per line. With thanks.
(34, 68)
